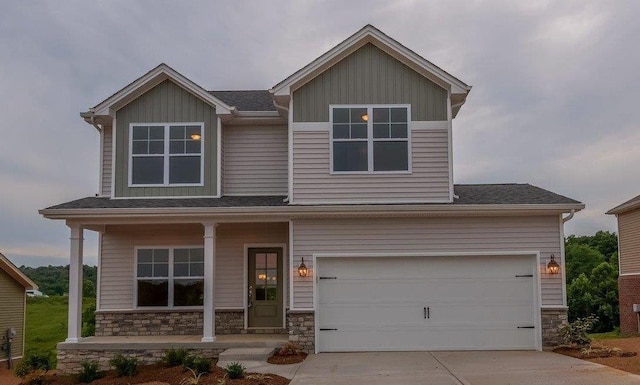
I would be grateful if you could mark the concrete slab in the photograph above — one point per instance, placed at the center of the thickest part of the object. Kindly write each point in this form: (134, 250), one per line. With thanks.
(246, 354)
(466, 368)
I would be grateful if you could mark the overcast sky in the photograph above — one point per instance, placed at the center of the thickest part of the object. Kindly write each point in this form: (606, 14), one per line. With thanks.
(554, 100)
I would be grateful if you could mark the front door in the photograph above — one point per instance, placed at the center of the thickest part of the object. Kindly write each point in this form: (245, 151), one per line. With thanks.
(265, 287)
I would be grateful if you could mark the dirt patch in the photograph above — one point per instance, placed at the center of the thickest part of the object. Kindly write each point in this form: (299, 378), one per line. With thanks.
(625, 362)
(7, 377)
(286, 360)
(160, 373)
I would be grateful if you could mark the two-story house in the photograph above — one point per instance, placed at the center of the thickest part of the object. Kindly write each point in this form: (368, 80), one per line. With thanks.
(322, 210)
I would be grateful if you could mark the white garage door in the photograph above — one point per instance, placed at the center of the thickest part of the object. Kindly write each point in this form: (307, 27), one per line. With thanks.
(427, 303)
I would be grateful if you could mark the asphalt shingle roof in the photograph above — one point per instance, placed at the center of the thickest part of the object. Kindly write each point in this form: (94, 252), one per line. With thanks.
(479, 194)
(251, 100)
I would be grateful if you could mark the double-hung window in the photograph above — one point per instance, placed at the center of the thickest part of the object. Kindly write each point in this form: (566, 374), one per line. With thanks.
(169, 277)
(368, 139)
(166, 154)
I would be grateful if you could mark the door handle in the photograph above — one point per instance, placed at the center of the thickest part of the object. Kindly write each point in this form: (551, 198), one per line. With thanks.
(427, 312)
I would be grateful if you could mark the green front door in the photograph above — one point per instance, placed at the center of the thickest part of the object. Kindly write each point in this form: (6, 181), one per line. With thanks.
(265, 287)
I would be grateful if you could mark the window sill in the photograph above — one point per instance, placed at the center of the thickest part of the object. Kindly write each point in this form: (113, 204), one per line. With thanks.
(167, 185)
(370, 173)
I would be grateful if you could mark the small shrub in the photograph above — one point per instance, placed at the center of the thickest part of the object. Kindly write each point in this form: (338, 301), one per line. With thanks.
(89, 321)
(223, 380)
(33, 362)
(193, 380)
(576, 332)
(235, 370)
(175, 357)
(35, 377)
(124, 366)
(289, 349)
(89, 371)
(199, 364)
(261, 378)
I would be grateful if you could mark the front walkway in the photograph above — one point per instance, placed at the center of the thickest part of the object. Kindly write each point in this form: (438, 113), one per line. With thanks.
(225, 341)
(456, 368)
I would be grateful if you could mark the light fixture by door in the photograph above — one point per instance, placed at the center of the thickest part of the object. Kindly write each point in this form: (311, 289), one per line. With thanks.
(196, 136)
(553, 267)
(302, 269)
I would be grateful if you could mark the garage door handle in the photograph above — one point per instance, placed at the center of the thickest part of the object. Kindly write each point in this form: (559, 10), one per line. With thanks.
(427, 313)
(526, 327)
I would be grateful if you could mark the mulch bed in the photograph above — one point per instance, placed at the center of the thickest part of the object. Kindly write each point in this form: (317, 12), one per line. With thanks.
(161, 374)
(286, 360)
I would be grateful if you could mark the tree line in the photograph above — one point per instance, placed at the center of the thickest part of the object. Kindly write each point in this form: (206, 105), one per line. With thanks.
(54, 280)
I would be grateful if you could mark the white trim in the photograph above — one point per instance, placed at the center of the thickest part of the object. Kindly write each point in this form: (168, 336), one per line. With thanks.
(628, 274)
(371, 140)
(372, 201)
(170, 277)
(155, 77)
(167, 154)
(98, 273)
(219, 156)
(169, 196)
(290, 150)
(283, 247)
(114, 130)
(563, 266)
(450, 145)
(619, 250)
(311, 126)
(553, 307)
(291, 257)
(370, 34)
(427, 125)
(101, 163)
(537, 286)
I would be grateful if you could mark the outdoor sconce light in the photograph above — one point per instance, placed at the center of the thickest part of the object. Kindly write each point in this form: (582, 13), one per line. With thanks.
(365, 117)
(196, 136)
(302, 269)
(552, 266)
(262, 276)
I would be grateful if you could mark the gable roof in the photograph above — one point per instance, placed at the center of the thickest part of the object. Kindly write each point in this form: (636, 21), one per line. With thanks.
(16, 274)
(370, 34)
(629, 205)
(247, 100)
(149, 80)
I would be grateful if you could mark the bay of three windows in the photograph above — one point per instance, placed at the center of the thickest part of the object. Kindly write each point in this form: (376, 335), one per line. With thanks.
(166, 154)
(370, 138)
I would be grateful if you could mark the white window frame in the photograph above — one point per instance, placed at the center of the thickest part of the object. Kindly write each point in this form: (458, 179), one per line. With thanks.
(166, 155)
(170, 278)
(370, 140)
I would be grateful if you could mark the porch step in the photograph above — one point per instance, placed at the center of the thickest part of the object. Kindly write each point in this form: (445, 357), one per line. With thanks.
(246, 354)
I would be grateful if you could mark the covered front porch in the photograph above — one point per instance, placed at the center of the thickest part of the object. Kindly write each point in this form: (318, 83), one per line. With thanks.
(204, 286)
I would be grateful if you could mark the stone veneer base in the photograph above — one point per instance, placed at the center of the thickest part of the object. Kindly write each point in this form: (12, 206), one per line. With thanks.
(302, 330)
(552, 319)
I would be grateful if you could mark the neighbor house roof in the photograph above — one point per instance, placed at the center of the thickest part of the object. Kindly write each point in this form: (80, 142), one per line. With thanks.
(467, 194)
(626, 206)
(16, 274)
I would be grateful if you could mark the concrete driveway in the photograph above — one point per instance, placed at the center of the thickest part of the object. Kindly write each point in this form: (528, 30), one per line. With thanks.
(455, 368)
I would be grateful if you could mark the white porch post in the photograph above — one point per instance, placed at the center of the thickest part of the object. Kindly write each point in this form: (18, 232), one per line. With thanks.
(75, 284)
(209, 315)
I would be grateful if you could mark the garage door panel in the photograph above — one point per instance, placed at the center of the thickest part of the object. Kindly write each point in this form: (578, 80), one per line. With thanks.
(379, 303)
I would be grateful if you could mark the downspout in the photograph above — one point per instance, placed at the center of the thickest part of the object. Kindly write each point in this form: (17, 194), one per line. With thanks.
(569, 217)
(94, 124)
(280, 107)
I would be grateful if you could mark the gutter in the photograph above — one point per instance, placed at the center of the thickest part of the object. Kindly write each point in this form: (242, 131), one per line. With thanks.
(313, 211)
(569, 217)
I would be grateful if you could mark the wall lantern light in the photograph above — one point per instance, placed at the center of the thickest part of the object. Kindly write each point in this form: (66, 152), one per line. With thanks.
(365, 117)
(196, 136)
(552, 266)
(302, 269)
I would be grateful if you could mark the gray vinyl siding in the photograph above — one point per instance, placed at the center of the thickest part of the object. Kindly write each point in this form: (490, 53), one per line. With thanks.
(166, 103)
(369, 76)
(416, 235)
(107, 156)
(255, 161)
(117, 270)
(629, 234)
(12, 297)
(313, 181)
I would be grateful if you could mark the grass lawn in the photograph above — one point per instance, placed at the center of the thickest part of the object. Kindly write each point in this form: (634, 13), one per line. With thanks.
(606, 336)
(46, 323)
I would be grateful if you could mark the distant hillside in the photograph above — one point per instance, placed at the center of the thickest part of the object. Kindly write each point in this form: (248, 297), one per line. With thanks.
(54, 280)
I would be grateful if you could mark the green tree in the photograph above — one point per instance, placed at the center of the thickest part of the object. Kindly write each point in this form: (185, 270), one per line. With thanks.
(581, 259)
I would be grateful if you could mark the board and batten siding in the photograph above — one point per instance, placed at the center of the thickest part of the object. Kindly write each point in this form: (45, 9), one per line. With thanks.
(166, 103)
(255, 160)
(369, 76)
(313, 181)
(629, 240)
(107, 157)
(12, 307)
(428, 235)
(117, 261)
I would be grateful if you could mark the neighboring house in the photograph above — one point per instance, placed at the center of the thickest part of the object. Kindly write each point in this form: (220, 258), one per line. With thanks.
(628, 215)
(323, 209)
(13, 287)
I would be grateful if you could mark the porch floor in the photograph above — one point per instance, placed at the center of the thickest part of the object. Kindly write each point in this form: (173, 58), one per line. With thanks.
(225, 341)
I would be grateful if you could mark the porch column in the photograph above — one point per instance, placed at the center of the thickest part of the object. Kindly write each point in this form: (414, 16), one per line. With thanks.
(209, 315)
(75, 284)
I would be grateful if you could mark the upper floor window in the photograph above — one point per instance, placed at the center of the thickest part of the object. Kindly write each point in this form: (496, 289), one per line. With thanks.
(166, 154)
(367, 139)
